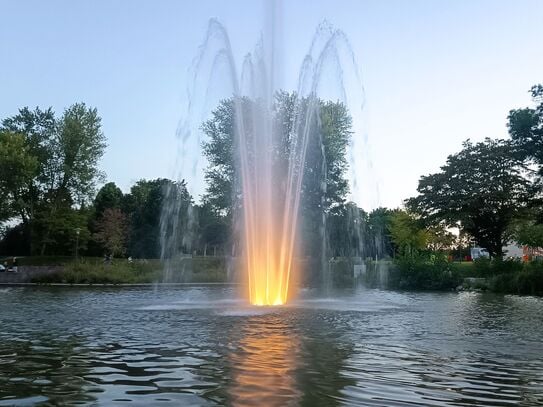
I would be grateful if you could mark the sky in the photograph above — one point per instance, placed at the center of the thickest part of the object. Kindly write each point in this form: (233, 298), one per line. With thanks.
(434, 73)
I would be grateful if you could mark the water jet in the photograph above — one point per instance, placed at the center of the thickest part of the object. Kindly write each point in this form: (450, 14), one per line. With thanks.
(277, 142)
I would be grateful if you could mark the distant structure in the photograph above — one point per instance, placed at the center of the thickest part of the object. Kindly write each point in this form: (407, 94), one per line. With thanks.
(513, 250)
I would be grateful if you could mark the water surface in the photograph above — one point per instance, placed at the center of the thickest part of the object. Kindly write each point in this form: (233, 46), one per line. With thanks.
(201, 346)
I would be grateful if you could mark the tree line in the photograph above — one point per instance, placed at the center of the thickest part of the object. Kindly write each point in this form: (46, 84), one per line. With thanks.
(490, 190)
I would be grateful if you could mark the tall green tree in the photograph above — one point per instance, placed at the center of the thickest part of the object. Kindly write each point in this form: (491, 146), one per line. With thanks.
(407, 234)
(18, 167)
(481, 189)
(145, 205)
(324, 185)
(348, 232)
(66, 151)
(329, 142)
(526, 129)
(38, 128)
(378, 240)
(109, 196)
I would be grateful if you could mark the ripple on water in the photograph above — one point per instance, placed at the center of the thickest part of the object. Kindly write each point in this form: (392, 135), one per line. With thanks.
(184, 347)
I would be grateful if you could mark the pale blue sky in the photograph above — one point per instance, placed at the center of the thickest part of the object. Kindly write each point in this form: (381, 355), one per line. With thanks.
(435, 72)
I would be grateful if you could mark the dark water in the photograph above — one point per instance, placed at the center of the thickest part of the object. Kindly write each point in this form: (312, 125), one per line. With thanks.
(200, 346)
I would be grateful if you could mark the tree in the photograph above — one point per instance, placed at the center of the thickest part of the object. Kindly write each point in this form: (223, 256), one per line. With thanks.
(77, 148)
(379, 242)
(324, 185)
(111, 229)
(213, 229)
(66, 153)
(109, 196)
(38, 127)
(60, 233)
(348, 231)
(526, 129)
(481, 189)
(17, 169)
(333, 134)
(530, 234)
(145, 205)
(407, 234)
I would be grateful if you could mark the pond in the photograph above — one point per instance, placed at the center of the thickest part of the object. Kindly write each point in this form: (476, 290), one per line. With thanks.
(200, 345)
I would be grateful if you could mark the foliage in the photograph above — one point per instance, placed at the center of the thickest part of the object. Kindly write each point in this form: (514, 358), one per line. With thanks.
(39, 129)
(529, 233)
(144, 205)
(526, 129)
(527, 281)
(213, 229)
(57, 173)
(424, 271)
(407, 234)
(380, 244)
(347, 229)
(17, 169)
(330, 133)
(120, 272)
(62, 231)
(109, 196)
(484, 267)
(208, 270)
(111, 229)
(481, 189)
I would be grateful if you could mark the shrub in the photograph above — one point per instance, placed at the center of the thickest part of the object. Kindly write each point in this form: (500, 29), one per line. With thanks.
(424, 271)
(528, 280)
(119, 272)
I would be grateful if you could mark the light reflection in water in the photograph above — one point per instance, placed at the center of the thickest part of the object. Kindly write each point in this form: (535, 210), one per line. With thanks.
(264, 364)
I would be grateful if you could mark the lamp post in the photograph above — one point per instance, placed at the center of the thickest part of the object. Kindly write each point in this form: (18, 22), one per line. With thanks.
(77, 230)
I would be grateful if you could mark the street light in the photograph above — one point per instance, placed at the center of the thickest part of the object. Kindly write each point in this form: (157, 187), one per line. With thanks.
(77, 230)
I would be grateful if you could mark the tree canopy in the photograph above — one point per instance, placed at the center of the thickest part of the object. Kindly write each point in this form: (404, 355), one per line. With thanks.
(48, 166)
(526, 129)
(481, 190)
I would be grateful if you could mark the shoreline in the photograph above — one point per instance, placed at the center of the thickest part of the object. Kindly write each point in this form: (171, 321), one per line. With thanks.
(14, 284)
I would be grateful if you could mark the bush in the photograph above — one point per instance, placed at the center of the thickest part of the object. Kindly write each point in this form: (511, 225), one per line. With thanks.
(209, 270)
(341, 269)
(119, 272)
(528, 280)
(424, 271)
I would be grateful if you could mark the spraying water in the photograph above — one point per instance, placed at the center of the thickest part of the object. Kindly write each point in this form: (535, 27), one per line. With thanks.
(270, 148)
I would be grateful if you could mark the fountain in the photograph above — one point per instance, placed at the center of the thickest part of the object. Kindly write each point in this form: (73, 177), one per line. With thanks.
(276, 139)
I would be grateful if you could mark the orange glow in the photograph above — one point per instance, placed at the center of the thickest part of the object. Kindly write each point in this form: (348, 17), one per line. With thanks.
(271, 189)
(269, 261)
(269, 249)
(264, 366)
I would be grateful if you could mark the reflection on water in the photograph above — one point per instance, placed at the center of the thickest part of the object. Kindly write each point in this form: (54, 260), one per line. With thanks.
(199, 346)
(264, 364)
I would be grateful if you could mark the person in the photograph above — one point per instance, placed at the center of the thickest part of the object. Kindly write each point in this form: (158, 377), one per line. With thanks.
(2, 268)
(14, 264)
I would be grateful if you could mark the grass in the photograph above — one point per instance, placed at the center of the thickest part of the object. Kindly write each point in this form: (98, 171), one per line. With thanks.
(417, 273)
(93, 270)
